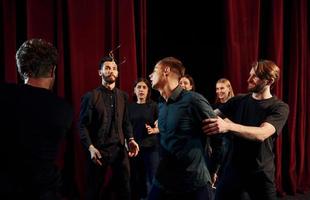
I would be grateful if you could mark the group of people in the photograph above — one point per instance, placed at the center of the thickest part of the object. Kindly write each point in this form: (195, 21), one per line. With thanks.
(181, 147)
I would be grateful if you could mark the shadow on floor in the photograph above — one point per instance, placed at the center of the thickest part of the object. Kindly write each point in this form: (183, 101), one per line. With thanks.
(297, 196)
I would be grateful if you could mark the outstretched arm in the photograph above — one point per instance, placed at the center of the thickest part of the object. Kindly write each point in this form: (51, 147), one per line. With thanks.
(218, 125)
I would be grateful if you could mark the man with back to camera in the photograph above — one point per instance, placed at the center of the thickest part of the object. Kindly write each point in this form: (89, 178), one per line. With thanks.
(256, 120)
(36, 120)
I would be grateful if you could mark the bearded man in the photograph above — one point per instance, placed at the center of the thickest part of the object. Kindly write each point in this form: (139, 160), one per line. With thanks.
(255, 120)
(105, 132)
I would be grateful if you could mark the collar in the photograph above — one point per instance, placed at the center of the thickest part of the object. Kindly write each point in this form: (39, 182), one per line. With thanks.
(174, 95)
(107, 90)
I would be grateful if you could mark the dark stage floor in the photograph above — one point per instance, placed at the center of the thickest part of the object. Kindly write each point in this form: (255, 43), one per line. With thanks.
(297, 197)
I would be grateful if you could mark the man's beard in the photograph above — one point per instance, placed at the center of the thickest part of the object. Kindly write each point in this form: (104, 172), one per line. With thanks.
(258, 88)
(109, 79)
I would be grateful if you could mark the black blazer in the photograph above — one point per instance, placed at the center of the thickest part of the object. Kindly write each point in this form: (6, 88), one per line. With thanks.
(94, 119)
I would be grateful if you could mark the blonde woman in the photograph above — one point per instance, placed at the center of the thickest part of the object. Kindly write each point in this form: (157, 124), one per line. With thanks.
(223, 91)
(219, 147)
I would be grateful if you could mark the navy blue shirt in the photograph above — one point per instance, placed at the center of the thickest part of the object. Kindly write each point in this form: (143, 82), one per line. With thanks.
(182, 167)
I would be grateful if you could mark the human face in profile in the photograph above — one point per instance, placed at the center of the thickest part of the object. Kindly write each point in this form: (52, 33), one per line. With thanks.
(157, 77)
(255, 84)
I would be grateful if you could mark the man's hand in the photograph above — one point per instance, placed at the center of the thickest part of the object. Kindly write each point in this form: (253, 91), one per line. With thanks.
(151, 130)
(95, 155)
(213, 126)
(133, 148)
(213, 180)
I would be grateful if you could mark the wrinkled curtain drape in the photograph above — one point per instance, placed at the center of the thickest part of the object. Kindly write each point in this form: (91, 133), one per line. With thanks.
(85, 30)
(276, 30)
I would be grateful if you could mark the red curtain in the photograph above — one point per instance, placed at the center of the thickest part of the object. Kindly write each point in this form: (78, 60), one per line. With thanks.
(85, 30)
(142, 36)
(276, 30)
(298, 92)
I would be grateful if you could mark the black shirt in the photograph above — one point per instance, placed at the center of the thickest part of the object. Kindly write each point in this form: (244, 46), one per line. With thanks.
(141, 114)
(109, 102)
(248, 155)
(35, 121)
(183, 167)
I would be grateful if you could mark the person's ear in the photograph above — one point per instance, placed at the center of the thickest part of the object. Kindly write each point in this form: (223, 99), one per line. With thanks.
(271, 81)
(167, 71)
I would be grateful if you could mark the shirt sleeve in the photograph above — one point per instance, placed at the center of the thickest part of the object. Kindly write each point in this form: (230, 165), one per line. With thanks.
(202, 107)
(86, 113)
(127, 127)
(214, 143)
(278, 116)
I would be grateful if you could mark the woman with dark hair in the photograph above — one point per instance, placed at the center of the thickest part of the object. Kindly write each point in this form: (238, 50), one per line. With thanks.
(143, 114)
(187, 82)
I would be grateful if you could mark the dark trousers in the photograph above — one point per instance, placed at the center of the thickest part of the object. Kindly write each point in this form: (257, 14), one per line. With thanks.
(143, 168)
(245, 186)
(203, 193)
(110, 181)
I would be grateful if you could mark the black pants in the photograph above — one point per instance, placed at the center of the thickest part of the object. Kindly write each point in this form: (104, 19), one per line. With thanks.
(245, 186)
(203, 193)
(110, 181)
(143, 168)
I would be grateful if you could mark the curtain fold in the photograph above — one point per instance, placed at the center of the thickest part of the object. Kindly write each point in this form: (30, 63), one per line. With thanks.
(86, 30)
(142, 36)
(242, 39)
(298, 64)
(256, 30)
(83, 32)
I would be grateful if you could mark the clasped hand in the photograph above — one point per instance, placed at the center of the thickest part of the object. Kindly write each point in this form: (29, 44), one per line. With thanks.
(213, 126)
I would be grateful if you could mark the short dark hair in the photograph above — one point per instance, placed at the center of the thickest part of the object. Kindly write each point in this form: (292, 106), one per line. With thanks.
(175, 65)
(105, 59)
(191, 81)
(35, 58)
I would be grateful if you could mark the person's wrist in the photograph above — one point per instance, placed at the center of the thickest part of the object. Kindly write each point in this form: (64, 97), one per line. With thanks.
(131, 139)
(91, 147)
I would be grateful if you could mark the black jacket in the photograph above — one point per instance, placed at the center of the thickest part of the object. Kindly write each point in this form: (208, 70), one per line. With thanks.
(95, 119)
